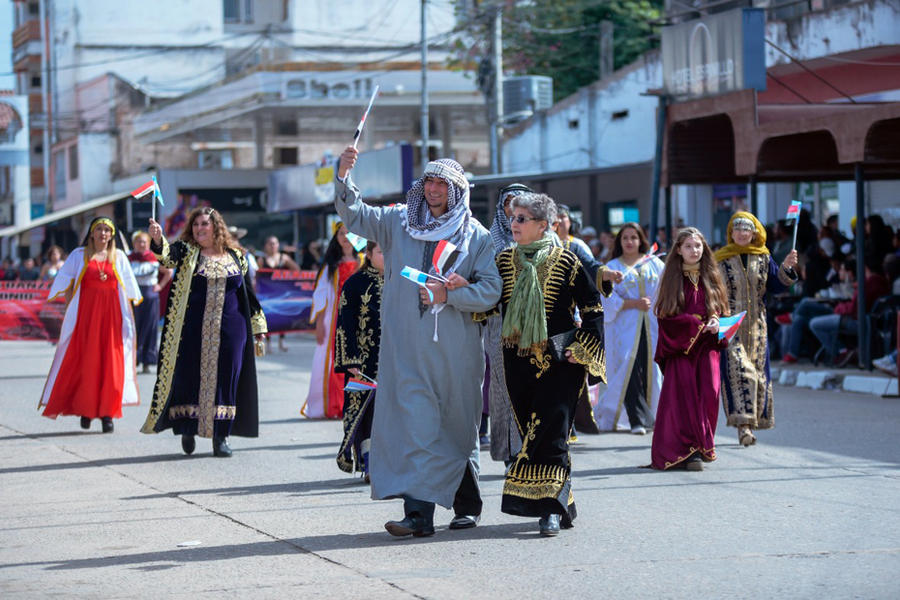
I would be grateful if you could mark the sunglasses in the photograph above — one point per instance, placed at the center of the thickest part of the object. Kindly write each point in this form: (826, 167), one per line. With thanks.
(522, 218)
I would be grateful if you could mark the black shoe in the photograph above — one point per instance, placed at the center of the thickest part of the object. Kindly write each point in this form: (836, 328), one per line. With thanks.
(220, 448)
(107, 423)
(412, 525)
(85, 423)
(694, 463)
(549, 525)
(188, 443)
(464, 521)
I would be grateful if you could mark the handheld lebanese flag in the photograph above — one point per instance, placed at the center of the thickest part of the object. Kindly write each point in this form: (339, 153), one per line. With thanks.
(728, 326)
(444, 256)
(793, 211)
(147, 188)
(356, 385)
(358, 243)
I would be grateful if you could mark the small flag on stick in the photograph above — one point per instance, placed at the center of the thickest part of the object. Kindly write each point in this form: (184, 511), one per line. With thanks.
(419, 278)
(444, 256)
(362, 121)
(728, 326)
(357, 385)
(793, 212)
(151, 186)
(358, 243)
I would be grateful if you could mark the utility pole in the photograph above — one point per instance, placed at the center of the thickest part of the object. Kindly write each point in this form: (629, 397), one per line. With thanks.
(497, 111)
(425, 128)
(606, 49)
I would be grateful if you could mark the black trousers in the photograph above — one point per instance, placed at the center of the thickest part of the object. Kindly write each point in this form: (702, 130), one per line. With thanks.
(466, 502)
(636, 401)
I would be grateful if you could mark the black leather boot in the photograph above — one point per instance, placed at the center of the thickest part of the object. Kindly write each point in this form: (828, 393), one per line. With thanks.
(188, 443)
(220, 448)
(85, 423)
(107, 423)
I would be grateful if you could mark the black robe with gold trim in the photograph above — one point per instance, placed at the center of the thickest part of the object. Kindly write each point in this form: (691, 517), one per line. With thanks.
(544, 392)
(184, 258)
(356, 343)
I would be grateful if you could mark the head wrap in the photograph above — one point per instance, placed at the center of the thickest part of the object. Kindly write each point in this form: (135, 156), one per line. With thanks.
(454, 225)
(102, 221)
(501, 234)
(756, 246)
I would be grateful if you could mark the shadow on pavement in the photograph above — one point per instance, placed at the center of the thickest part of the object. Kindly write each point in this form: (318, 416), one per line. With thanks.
(297, 489)
(106, 462)
(48, 435)
(527, 529)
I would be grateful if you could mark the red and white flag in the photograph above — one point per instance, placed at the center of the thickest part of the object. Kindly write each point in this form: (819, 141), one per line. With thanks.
(444, 256)
(793, 211)
(147, 188)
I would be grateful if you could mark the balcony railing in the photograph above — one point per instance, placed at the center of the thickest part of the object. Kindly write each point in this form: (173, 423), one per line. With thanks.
(26, 32)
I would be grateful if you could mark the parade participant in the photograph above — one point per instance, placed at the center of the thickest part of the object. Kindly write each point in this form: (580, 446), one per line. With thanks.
(749, 273)
(431, 363)
(146, 315)
(634, 377)
(546, 357)
(93, 372)
(505, 440)
(325, 398)
(356, 344)
(206, 380)
(563, 227)
(691, 298)
(274, 258)
(53, 263)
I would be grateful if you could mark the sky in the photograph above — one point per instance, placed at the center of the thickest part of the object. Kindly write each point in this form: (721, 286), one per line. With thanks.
(7, 82)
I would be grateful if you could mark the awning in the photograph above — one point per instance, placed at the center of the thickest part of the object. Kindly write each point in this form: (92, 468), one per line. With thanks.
(63, 213)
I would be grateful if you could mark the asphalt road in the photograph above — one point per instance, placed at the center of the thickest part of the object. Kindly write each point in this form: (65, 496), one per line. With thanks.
(811, 511)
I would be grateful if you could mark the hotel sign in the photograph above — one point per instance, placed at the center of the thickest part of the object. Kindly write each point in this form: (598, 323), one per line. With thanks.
(714, 55)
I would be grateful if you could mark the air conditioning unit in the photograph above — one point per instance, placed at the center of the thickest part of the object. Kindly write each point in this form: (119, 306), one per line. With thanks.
(524, 96)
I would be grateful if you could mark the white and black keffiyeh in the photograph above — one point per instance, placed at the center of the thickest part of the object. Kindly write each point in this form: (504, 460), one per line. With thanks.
(501, 233)
(454, 225)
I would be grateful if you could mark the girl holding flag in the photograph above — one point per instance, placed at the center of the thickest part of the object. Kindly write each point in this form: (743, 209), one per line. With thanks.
(691, 297)
(749, 273)
(356, 345)
(634, 378)
(326, 388)
(93, 371)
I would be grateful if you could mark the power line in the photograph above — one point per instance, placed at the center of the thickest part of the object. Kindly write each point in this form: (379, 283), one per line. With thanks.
(810, 71)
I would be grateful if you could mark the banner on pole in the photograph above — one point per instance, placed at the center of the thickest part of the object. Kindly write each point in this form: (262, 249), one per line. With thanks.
(286, 298)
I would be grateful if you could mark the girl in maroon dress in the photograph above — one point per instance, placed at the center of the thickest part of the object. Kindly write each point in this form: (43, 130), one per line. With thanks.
(691, 298)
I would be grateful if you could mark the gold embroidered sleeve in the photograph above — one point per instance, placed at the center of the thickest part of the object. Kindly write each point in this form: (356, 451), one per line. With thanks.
(786, 276)
(587, 350)
(605, 287)
(481, 317)
(164, 253)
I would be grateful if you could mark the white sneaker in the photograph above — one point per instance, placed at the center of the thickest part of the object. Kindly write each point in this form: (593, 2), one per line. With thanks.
(638, 430)
(885, 364)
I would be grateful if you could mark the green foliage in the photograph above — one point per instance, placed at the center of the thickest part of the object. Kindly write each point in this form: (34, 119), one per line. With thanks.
(558, 38)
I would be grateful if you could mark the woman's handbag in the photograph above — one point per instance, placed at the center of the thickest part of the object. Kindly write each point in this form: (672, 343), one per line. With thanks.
(557, 344)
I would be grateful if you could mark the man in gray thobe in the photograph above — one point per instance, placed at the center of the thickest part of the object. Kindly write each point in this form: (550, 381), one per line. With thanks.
(431, 363)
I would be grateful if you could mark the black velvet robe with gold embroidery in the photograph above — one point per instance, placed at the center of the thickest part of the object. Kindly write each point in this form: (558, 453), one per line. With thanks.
(163, 414)
(544, 392)
(356, 343)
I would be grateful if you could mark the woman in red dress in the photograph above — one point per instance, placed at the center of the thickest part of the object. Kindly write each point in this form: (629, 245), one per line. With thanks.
(326, 388)
(93, 371)
(691, 297)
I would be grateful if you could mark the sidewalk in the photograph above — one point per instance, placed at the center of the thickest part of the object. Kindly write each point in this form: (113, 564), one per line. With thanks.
(821, 377)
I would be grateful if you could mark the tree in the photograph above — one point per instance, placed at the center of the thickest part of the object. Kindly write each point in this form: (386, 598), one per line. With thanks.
(557, 38)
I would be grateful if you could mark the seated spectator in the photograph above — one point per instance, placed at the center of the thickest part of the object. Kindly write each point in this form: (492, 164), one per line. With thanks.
(8, 270)
(29, 270)
(829, 328)
(879, 238)
(782, 241)
(891, 267)
(809, 308)
(887, 363)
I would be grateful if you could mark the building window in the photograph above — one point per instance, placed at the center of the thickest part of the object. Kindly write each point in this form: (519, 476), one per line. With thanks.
(34, 9)
(237, 11)
(73, 162)
(59, 176)
(286, 156)
(287, 127)
(35, 81)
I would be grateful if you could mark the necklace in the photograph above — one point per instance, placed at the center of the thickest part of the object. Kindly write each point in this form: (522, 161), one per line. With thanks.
(103, 276)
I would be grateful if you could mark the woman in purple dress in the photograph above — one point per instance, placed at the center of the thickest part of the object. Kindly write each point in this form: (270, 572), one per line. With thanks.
(206, 380)
(691, 298)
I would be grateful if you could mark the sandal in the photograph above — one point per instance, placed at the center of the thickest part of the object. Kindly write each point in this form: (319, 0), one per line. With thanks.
(745, 436)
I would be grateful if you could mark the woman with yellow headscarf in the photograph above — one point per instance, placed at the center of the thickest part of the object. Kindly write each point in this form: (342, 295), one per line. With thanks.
(93, 371)
(749, 272)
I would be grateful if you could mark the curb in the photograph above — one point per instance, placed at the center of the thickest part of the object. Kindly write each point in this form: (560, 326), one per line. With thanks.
(830, 379)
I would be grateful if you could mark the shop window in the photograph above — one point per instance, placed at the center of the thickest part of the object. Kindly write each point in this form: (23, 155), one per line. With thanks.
(619, 213)
(286, 156)
(237, 11)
